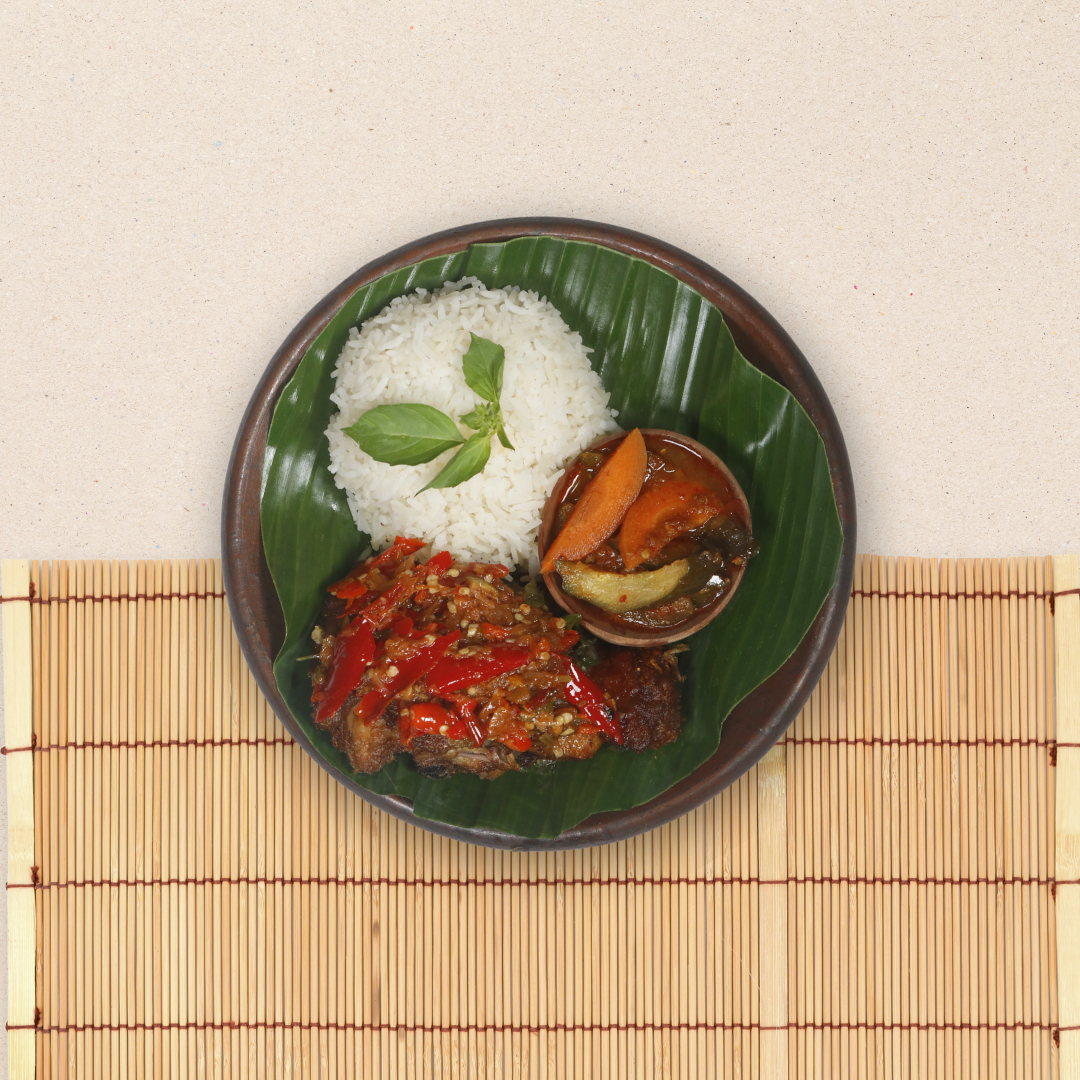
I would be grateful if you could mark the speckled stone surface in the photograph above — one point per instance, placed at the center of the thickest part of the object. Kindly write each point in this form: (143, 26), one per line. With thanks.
(896, 184)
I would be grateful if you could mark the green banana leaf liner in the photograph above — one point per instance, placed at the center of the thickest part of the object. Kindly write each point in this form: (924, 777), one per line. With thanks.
(668, 360)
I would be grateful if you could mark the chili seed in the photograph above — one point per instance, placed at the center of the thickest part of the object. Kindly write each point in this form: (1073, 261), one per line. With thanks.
(463, 591)
(443, 729)
(392, 671)
(519, 616)
(453, 573)
(432, 580)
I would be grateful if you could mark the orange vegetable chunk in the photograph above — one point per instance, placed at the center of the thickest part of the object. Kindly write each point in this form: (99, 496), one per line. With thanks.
(663, 512)
(603, 504)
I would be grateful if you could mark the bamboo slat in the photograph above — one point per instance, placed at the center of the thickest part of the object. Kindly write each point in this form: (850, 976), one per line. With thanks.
(1067, 805)
(893, 891)
(23, 943)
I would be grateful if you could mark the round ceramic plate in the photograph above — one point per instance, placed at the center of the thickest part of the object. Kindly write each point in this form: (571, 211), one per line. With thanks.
(756, 721)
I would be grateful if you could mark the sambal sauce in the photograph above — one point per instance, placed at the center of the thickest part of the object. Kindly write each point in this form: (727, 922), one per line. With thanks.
(462, 667)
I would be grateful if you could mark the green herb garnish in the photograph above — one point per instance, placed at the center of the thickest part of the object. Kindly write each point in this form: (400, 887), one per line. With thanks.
(416, 434)
(405, 434)
(483, 367)
(468, 461)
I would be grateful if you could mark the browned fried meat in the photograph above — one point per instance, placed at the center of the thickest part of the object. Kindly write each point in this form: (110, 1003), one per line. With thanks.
(447, 661)
(645, 686)
(437, 756)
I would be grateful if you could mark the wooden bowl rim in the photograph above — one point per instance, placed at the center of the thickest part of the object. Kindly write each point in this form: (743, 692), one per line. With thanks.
(592, 618)
(755, 723)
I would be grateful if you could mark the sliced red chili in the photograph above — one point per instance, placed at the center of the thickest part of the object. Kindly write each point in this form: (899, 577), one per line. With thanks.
(406, 628)
(431, 718)
(495, 633)
(591, 702)
(382, 609)
(466, 709)
(349, 590)
(402, 547)
(456, 673)
(375, 701)
(353, 652)
(439, 563)
(353, 605)
(516, 740)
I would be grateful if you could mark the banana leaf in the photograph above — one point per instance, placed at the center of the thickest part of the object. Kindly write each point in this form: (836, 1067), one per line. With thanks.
(668, 360)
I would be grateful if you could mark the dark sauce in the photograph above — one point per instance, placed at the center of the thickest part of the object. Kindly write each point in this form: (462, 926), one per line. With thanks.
(715, 551)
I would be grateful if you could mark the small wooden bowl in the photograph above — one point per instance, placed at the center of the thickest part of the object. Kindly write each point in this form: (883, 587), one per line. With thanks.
(602, 623)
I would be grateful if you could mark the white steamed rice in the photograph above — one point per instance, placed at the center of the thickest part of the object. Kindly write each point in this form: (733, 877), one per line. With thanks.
(553, 406)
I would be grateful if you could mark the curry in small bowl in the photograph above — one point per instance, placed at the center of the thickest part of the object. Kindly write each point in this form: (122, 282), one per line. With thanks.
(646, 537)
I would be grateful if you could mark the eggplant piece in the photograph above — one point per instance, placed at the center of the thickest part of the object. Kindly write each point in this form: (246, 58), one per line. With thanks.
(618, 593)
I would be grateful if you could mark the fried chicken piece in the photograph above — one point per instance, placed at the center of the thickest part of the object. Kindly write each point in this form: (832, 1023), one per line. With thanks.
(437, 757)
(368, 746)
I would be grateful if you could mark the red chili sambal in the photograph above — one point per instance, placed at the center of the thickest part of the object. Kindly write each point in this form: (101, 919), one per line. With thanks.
(448, 661)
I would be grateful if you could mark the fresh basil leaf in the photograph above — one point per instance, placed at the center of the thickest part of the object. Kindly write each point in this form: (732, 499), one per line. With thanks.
(468, 461)
(501, 431)
(405, 434)
(475, 419)
(571, 619)
(483, 367)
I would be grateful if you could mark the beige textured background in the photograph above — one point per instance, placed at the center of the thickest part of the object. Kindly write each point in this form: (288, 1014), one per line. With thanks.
(896, 182)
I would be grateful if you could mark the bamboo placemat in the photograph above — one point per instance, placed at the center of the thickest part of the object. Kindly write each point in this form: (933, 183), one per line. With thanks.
(888, 893)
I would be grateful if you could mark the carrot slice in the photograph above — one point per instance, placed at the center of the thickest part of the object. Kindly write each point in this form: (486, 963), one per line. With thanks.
(663, 512)
(602, 504)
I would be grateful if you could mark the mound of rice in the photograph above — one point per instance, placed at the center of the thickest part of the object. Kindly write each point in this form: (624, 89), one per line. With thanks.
(552, 401)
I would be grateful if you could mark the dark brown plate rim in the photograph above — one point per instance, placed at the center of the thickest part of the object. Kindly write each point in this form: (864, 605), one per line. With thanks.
(752, 727)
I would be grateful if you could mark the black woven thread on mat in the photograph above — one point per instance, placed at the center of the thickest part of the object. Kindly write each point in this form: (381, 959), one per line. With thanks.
(971, 594)
(791, 740)
(959, 744)
(397, 882)
(545, 1029)
(882, 594)
(150, 744)
(46, 600)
